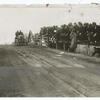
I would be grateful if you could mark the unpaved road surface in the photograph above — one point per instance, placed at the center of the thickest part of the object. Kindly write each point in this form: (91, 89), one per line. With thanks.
(44, 72)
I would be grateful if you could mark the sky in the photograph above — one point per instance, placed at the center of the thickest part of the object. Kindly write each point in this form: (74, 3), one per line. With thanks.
(46, 1)
(25, 19)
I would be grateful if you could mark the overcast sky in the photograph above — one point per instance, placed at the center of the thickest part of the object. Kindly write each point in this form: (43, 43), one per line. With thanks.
(25, 19)
(46, 1)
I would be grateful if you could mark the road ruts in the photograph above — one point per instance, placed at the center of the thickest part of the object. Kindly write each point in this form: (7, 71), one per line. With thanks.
(78, 73)
(43, 72)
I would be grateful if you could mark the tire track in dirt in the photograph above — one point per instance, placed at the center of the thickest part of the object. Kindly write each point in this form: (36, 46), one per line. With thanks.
(73, 90)
(81, 88)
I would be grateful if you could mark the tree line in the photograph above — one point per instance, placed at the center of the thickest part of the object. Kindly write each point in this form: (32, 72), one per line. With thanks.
(65, 37)
(22, 39)
(68, 36)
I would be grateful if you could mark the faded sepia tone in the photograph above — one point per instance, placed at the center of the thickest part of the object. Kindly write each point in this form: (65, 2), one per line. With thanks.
(50, 50)
(16, 17)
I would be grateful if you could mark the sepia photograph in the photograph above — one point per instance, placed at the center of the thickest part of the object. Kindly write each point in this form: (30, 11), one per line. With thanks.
(50, 48)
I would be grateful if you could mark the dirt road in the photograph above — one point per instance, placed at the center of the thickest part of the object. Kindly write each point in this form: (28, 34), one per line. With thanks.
(43, 72)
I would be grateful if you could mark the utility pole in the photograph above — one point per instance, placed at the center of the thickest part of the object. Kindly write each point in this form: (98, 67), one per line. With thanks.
(56, 39)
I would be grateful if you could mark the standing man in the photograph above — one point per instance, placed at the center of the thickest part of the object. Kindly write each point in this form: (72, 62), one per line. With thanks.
(73, 40)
